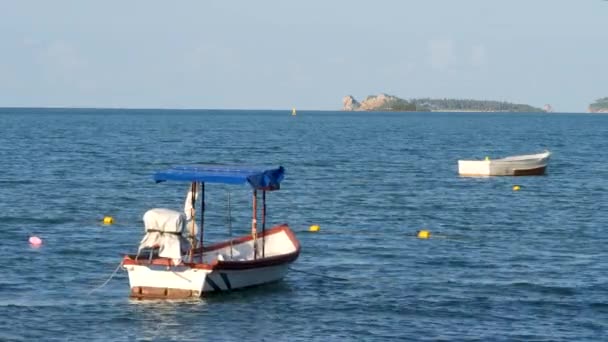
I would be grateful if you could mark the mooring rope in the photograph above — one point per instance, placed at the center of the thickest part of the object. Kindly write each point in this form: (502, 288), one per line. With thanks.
(319, 275)
(107, 281)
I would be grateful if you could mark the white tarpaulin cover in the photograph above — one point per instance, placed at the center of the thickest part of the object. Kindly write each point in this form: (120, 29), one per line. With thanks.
(188, 210)
(164, 229)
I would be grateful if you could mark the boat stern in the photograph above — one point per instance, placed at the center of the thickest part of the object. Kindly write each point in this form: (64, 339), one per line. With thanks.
(164, 282)
(474, 167)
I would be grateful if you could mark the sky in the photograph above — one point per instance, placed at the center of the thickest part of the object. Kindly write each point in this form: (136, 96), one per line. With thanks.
(279, 54)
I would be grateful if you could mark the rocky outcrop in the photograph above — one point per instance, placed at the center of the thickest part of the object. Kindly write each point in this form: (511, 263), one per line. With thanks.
(382, 102)
(376, 102)
(389, 103)
(598, 110)
(349, 103)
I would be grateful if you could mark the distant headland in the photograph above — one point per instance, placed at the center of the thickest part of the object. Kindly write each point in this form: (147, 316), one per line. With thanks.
(389, 103)
(599, 106)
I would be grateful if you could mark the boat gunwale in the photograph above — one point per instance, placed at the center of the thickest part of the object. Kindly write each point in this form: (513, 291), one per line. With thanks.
(517, 158)
(275, 260)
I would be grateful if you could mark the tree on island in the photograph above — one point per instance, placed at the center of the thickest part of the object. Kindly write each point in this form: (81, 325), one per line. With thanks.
(472, 105)
(600, 105)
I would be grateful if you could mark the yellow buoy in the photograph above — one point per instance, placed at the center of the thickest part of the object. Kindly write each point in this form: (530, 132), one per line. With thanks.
(424, 234)
(487, 158)
(108, 220)
(314, 228)
(516, 187)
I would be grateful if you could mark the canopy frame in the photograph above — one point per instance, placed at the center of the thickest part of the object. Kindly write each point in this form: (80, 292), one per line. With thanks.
(263, 179)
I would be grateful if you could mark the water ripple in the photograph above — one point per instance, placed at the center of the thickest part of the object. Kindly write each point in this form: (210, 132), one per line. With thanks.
(500, 265)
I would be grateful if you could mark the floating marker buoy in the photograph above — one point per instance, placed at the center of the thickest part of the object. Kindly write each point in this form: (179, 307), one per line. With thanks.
(108, 220)
(35, 241)
(516, 187)
(424, 234)
(314, 228)
(487, 158)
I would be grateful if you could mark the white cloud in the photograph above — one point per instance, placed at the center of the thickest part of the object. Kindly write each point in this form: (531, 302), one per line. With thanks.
(63, 66)
(479, 56)
(63, 57)
(441, 53)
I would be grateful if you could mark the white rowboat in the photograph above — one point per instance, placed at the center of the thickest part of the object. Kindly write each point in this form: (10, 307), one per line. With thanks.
(523, 165)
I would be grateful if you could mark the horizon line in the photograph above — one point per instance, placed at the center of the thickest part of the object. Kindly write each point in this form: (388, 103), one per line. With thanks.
(274, 110)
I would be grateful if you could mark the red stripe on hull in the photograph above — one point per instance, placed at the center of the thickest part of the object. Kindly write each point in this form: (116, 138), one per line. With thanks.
(147, 292)
(530, 172)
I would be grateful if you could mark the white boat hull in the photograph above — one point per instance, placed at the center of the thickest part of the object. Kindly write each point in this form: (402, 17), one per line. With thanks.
(157, 281)
(183, 282)
(224, 267)
(526, 165)
(231, 280)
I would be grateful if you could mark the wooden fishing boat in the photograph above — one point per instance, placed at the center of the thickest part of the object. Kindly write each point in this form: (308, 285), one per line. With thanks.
(173, 262)
(523, 165)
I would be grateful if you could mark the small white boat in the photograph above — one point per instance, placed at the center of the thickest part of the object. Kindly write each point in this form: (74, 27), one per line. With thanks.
(524, 165)
(172, 262)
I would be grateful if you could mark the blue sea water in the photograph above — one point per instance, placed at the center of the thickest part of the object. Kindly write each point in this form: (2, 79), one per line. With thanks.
(500, 265)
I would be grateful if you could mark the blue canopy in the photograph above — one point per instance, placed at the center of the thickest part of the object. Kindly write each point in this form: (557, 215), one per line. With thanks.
(258, 177)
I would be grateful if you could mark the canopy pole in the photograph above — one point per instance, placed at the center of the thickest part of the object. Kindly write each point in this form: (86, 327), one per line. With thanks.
(263, 222)
(254, 223)
(230, 225)
(202, 219)
(192, 234)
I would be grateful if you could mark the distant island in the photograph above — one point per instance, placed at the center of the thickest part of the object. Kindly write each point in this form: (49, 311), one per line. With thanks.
(389, 103)
(599, 106)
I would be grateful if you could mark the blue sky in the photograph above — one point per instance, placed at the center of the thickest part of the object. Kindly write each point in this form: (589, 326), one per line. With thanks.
(305, 54)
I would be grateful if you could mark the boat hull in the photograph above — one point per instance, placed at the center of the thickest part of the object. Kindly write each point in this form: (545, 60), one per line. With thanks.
(532, 165)
(225, 266)
(539, 171)
(155, 281)
(175, 283)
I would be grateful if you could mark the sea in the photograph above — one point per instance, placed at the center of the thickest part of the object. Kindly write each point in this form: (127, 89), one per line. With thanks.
(500, 265)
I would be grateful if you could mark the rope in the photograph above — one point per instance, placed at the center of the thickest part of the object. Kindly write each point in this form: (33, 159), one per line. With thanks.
(319, 275)
(104, 284)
